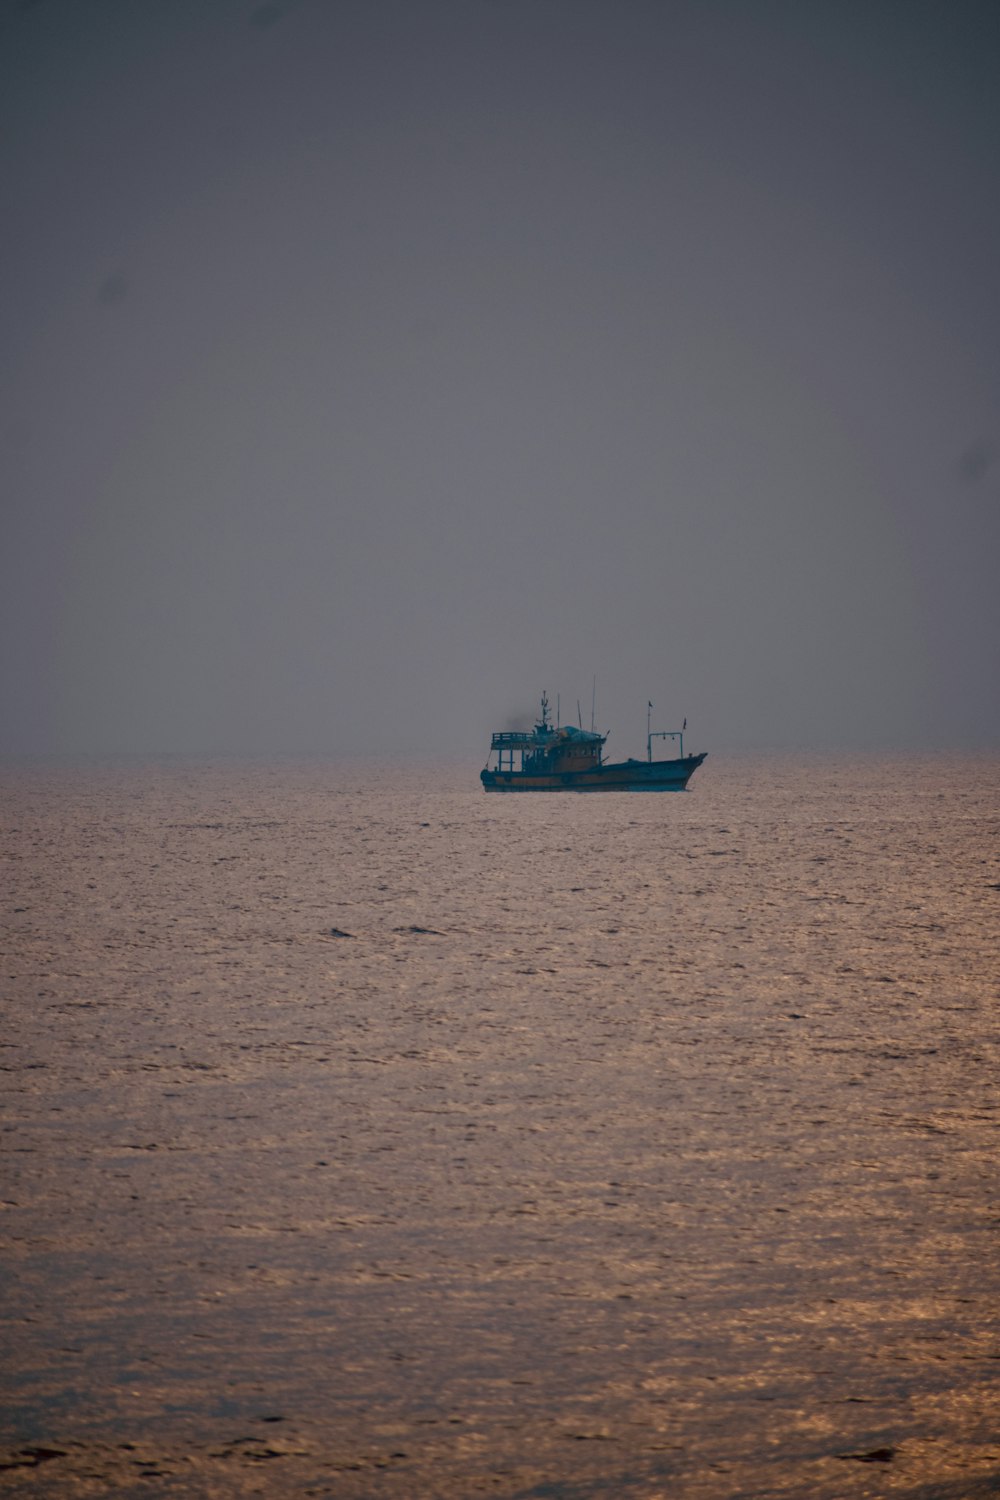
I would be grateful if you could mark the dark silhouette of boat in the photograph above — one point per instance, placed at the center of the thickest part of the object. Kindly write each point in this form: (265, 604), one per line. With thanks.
(567, 758)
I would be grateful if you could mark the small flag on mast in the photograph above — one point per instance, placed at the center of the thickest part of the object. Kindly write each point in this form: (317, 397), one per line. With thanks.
(684, 726)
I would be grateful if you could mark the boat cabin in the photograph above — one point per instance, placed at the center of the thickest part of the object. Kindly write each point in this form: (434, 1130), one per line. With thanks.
(547, 750)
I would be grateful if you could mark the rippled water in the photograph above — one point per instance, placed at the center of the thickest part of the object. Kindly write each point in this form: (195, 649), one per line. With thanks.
(623, 1145)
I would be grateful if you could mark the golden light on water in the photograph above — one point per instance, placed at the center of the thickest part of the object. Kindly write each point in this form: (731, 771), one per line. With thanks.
(626, 1145)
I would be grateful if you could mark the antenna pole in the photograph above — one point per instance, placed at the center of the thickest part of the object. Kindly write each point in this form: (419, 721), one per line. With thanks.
(593, 702)
(649, 737)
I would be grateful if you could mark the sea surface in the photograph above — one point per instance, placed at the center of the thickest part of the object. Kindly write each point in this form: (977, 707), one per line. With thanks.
(365, 1135)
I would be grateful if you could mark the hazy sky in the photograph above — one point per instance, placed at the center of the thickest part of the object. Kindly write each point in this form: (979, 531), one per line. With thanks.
(370, 365)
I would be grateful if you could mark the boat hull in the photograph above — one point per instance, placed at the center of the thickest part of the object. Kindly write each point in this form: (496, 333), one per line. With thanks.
(628, 776)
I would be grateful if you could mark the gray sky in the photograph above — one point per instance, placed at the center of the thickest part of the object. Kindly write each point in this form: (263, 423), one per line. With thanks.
(369, 365)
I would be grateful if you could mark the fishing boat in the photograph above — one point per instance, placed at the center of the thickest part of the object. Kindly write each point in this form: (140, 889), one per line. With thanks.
(568, 758)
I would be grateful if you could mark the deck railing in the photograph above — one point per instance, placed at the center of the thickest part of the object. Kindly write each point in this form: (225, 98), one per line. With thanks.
(512, 740)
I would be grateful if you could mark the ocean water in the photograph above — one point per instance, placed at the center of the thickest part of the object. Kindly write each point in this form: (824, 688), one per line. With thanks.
(620, 1146)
